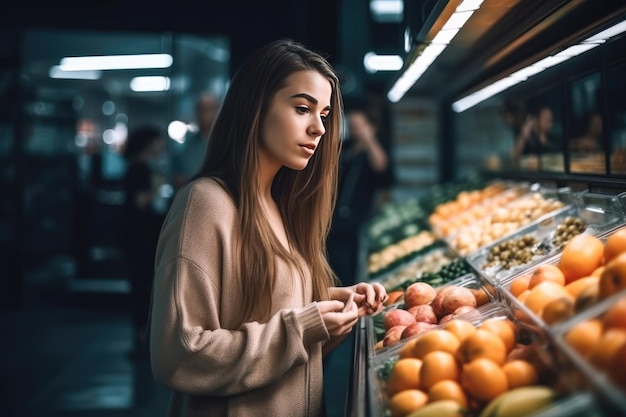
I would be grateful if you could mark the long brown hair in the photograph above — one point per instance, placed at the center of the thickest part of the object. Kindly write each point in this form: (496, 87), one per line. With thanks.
(305, 198)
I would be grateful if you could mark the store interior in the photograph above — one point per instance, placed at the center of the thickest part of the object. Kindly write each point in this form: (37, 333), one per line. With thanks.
(453, 100)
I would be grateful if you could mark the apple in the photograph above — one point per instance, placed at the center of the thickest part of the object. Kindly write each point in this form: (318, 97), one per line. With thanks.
(424, 313)
(419, 293)
(397, 317)
(437, 302)
(458, 297)
(446, 318)
(417, 328)
(393, 335)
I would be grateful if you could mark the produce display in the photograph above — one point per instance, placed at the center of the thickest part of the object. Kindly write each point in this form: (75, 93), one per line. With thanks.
(430, 262)
(530, 245)
(589, 270)
(425, 307)
(394, 222)
(484, 368)
(505, 220)
(399, 252)
(507, 302)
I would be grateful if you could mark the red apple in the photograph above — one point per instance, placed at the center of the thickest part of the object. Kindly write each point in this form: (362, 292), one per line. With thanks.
(397, 317)
(458, 297)
(393, 335)
(424, 313)
(417, 328)
(437, 302)
(419, 293)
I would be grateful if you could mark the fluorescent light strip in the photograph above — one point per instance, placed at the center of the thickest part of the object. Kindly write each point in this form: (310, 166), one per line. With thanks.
(539, 66)
(518, 77)
(461, 15)
(374, 63)
(387, 7)
(116, 62)
(144, 84)
(56, 72)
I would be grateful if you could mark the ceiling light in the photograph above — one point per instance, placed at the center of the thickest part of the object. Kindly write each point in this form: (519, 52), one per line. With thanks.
(374, 63)
(469, 5)
(535, 68)
(116, 62)
(609, 33)
(387, 10)
(439, 42)
(143, 84)
(56, 72)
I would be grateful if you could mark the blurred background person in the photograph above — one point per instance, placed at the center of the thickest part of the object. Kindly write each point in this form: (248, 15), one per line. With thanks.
(187, 156)
(365, 174)
(591, 138)
(536, 135)
(143, 152)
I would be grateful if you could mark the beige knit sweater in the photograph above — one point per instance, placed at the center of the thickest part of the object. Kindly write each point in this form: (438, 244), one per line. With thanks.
(214, 366)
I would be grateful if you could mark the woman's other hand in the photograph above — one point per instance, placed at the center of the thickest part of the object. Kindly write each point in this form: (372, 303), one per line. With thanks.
(368, 297)
(338, 317)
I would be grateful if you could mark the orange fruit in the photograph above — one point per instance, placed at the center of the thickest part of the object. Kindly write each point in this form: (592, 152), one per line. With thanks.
(607, 347)
(522, 297)
(546, 272)
(460, 328)
(407, 349)
(598, 271)
(504, 328)
(482, 344)
(615, 244)
(483, 379)
(433, 340)
(519, 284)
(404, 375)
(584, 336)
(581, 256)
(587, 297)
(481, 296)
(542, 294)
(617, 368)
(407, 401)
(615, 316)
(559, 309)
(613, 278)
(437, 366)
(520, 373)
(576, 287)
(393, 296)
(447, 390)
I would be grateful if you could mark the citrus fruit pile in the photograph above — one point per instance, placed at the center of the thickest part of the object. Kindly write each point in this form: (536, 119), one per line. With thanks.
(589, 270)
(470, 365)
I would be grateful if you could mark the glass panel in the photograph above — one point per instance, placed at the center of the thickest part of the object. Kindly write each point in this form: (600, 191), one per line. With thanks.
(616, 98)
(586, 143)
(538, 144)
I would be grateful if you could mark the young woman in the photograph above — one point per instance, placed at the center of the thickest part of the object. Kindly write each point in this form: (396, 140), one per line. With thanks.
(244, 302)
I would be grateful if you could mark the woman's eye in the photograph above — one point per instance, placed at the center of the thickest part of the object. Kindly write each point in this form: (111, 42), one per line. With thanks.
(324, 118)
(302, 110)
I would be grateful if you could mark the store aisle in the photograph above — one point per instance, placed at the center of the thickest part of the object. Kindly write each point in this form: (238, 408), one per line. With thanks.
(67, 355)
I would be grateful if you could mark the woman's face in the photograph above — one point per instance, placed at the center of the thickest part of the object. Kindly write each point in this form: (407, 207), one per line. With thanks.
(294, 123)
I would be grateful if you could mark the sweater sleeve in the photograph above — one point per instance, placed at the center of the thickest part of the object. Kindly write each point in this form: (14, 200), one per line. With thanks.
(192, 353)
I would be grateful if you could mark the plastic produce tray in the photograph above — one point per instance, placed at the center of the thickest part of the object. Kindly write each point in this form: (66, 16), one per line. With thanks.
(594, 377)
(374, 324)
(571, 403)
(508, 219)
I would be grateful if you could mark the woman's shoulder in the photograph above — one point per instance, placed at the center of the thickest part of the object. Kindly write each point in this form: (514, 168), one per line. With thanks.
(208, 191)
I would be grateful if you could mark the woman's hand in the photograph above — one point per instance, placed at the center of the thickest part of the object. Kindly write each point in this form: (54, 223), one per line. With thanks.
(368, 297)
(338, 317)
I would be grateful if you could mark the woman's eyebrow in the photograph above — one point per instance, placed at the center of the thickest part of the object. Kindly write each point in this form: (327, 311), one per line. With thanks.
(309, 98)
